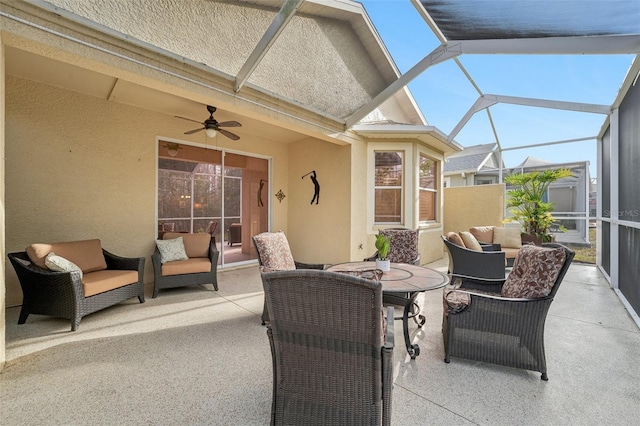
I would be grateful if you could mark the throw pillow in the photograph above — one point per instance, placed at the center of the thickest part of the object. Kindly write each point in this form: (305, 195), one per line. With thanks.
(484, 234)
(403, 244)
(507, 237)
(171, 250)
(470, 241)
(274, 250)
(60, 264)
(455, 239)
(534, 272)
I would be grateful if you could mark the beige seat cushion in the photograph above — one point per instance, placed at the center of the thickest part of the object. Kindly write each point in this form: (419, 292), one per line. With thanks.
(510, 253)
(470, 241)
(483, 234)
(507, 237)
(87, 254)
(101, 281)
(454, 238)
(195, 245)
(194, 265)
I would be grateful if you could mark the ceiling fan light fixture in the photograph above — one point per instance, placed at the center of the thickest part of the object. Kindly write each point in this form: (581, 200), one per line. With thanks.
(172, 148)
(211, 133)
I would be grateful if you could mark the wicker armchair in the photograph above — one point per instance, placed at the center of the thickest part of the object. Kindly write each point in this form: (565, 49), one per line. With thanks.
(195, 253)
(482, 270)
(61, 294)
(274, 254)
(332, 353)
(500, 328)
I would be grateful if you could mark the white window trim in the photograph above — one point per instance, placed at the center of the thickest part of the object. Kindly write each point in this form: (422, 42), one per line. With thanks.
(408, 182)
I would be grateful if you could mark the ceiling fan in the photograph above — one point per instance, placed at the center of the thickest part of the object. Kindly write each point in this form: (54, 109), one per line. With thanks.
(211, 125)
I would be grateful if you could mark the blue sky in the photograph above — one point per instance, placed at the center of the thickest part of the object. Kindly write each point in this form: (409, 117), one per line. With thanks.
(444, 94)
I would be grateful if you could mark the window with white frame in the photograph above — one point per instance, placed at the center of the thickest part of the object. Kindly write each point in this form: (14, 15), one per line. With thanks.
(388, 187)
(428, 186)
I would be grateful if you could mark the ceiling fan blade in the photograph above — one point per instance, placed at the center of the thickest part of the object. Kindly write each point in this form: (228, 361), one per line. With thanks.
(228, 134)
(229, 124)
(184, 118)
(190, 132)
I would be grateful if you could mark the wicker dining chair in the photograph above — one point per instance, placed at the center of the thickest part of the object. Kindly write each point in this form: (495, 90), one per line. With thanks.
(507, 327)
(332, 349)
(274, 254)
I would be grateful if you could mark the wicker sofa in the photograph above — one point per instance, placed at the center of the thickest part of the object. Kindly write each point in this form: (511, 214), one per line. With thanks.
(507, 240)
(95, 279)
(201, 266)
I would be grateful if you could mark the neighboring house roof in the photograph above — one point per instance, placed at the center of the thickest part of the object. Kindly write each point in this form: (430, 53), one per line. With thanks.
(471, 159)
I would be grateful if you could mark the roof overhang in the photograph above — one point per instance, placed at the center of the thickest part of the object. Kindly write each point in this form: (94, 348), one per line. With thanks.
(429, 135)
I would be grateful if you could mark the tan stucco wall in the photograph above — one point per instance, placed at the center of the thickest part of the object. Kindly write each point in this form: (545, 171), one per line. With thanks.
(320, 232)
(332, 69)
(468, 206)
(81, 167)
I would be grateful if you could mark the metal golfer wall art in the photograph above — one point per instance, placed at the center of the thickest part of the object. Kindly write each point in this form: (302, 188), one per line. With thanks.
(316, 186)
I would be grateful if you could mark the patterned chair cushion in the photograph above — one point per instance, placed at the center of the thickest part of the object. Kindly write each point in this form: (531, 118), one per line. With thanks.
(455, 301)
(404, 244)
(534, 272)
(274, 250)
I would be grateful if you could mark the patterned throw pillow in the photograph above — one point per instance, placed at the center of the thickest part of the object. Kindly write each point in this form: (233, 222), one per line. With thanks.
(534, 272)
(60, 264)
(403, 244)
(171, 250)
(274, 250)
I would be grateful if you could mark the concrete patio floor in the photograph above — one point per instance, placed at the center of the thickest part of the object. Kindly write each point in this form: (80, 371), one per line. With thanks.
(195, 356)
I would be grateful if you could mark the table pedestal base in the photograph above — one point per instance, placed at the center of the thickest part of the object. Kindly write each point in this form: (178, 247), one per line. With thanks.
(411, 310)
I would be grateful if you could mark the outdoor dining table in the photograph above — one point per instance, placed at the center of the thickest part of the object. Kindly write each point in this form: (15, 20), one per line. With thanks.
(400, 286)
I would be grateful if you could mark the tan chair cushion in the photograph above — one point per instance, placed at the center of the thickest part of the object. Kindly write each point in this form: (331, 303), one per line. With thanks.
(195, 245)
(455, 239)
(483, 234)
(275, 253)
(101, 281)
(87, 254)
(470, 241)
(507, 237)
(534, 272)
(510, 253)
(194, 265)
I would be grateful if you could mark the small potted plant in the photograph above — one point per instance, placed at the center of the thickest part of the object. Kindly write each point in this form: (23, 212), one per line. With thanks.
(383, 247)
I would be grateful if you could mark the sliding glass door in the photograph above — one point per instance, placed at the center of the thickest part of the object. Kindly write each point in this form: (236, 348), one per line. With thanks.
(205, 190)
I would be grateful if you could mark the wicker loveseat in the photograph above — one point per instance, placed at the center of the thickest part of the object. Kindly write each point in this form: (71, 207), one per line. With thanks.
(199, 266)
(507, 240)
(87, 279)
